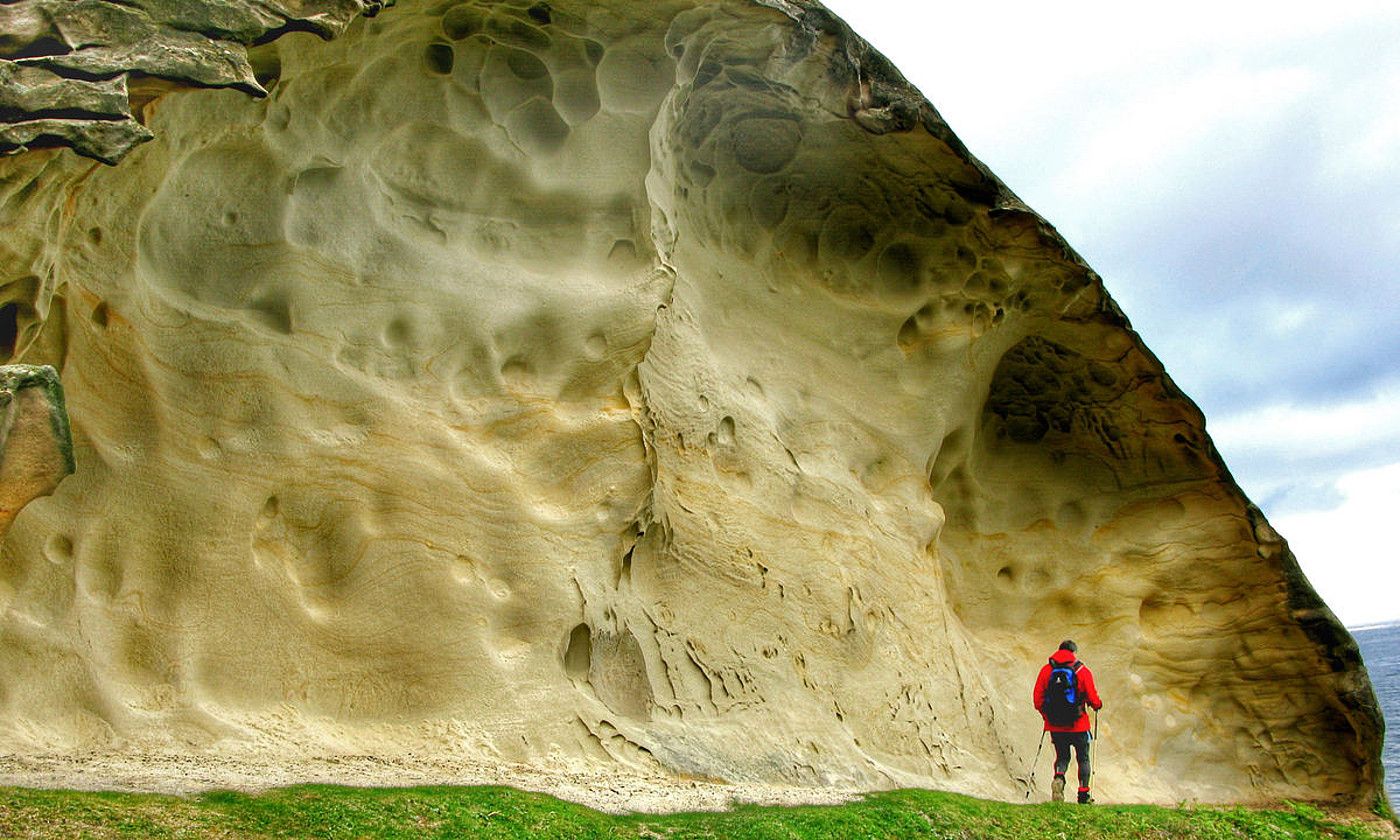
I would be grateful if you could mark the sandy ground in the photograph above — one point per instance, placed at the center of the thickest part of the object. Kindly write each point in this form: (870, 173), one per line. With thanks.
(613, 792)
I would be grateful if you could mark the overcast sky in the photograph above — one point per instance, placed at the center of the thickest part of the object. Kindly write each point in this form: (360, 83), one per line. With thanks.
(1232, 170)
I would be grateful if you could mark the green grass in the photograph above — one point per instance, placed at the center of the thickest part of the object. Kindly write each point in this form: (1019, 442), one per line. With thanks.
(495, 812)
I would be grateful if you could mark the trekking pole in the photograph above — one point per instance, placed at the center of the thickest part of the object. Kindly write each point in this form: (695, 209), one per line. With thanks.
(1035, 761)
(1093, 748)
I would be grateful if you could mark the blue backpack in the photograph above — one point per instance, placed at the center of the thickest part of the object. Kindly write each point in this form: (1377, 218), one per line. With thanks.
(1064, 702)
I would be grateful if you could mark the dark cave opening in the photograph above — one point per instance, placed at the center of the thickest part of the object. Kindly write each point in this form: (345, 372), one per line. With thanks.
(9, 330)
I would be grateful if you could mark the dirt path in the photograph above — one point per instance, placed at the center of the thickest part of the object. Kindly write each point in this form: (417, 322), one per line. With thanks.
(183, 774)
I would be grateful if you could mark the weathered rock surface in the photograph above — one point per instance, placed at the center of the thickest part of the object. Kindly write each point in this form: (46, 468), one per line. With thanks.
(583, 383)
(64, 63)
(36, 446)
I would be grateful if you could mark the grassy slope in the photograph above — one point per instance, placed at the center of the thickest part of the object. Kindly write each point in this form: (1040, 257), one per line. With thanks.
(486, 812)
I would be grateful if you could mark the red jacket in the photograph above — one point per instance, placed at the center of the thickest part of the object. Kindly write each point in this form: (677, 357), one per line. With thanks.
(1085, 679)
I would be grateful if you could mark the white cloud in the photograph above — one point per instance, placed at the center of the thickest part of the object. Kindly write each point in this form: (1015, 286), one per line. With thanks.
(1284, 319)
(1349, 553)
(1179, 123)
(1365, 128)
(1311, 430)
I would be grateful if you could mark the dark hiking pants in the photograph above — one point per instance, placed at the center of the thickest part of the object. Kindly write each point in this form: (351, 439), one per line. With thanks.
(1080, 741)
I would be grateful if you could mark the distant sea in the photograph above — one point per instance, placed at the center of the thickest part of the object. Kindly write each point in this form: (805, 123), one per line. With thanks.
(1380, 648)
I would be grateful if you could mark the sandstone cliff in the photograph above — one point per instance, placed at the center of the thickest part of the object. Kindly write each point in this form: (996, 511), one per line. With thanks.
(591, 383)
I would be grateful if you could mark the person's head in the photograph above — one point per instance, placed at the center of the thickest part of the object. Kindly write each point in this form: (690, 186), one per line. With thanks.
(1069, 645)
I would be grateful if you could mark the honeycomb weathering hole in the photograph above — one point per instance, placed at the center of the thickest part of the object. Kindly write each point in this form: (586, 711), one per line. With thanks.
(9, 329)
(578, 653)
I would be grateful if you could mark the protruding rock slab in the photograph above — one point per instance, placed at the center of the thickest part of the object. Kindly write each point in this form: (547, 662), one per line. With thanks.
(64, 64)
(36, 447)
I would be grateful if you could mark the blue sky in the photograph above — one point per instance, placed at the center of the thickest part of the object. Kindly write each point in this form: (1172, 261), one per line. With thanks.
(1234, 176)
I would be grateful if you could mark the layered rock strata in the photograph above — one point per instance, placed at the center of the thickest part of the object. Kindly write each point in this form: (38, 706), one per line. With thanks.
(65, 64)
(588, 384)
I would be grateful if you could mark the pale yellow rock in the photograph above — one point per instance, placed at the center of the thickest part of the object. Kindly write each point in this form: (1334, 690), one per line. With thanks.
(591, 384)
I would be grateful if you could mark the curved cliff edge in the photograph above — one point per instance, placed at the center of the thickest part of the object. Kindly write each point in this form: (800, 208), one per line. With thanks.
(580, 385)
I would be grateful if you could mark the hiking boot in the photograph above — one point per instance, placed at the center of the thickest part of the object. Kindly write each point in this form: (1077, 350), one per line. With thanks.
(1085, 798)
(1057, 789)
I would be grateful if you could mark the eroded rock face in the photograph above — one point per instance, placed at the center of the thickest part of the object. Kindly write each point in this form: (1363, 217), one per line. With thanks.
(36, 446)
(64, 64)
(584, 384)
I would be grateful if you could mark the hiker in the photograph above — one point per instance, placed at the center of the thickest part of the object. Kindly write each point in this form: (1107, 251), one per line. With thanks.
(1063, 690)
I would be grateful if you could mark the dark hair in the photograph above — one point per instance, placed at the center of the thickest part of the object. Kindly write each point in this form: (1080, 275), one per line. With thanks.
(1069, 645)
